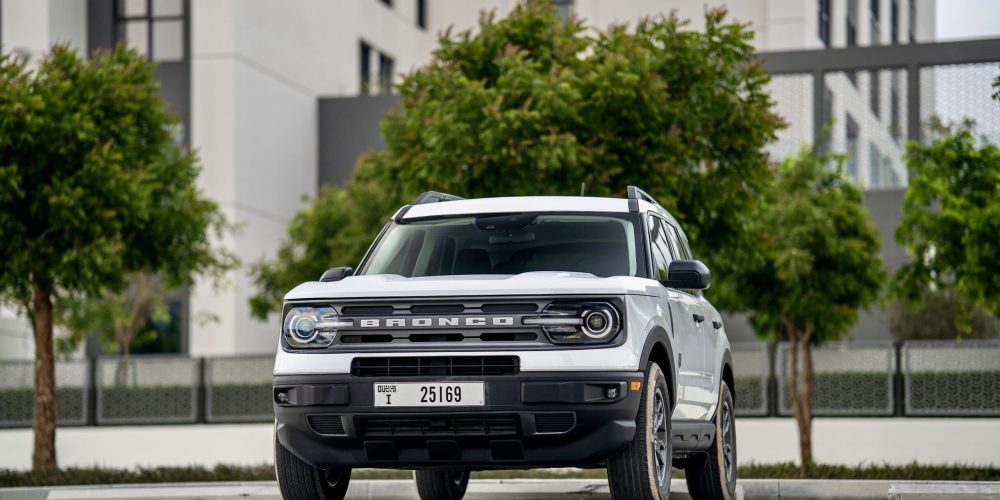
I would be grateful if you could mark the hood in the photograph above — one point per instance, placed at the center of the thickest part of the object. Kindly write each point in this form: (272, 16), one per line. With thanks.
(542, 283)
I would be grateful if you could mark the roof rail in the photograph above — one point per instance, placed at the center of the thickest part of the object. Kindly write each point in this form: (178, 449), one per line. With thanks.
(635, 194)
(434, 197)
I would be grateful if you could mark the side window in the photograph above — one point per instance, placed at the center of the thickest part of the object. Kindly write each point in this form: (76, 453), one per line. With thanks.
(675, 241)
(685, 250)
(659, 247)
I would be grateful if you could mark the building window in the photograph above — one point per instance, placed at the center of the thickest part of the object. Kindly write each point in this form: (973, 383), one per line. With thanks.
(894, 28)
(875, 91)
(364, 68)
(152, 27)
(564, 8)
(385, 72)
(824, 22)
(852, 147)
(876, 28)
(913, 21)
(895, 125)
(387, 3)
(892, 177)
(852, 23)
(874, 166)
(422, 14)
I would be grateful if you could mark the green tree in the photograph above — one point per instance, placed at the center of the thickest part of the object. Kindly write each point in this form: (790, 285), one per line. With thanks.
(534, 105)
(936, 317)
(951, 222)
(817, 263)
(92, 190)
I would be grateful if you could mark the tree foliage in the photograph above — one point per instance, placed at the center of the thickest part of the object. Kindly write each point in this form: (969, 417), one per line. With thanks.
(534, 105)
(817, 264)
(937, 316)
(819, 260)
(951, 221)
(92, 189)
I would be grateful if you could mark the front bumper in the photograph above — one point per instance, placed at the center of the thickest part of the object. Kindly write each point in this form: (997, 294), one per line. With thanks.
(530, 419)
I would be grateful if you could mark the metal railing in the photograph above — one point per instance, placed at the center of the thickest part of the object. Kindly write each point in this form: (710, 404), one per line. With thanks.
(920, 378)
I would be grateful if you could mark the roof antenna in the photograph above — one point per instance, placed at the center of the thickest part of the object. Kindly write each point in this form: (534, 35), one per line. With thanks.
(583, 188)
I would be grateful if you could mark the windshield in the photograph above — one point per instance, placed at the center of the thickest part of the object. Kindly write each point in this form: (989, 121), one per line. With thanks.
(600, 244)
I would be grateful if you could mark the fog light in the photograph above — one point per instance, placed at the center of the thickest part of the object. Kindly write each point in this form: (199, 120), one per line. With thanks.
(282, 397)
(611, 393)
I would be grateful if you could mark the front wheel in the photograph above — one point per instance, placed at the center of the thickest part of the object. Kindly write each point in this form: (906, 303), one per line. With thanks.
(298, 480)
(441, 485)
(641, 470)
(712, 475)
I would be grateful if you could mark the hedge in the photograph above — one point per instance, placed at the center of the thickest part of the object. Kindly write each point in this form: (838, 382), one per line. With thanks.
(17, 405)
(846, 392)
(234, 401)
(943, 392)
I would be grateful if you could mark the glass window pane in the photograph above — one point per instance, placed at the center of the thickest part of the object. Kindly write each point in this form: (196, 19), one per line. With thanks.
(168, 40)
(132, 8)
(135, 34)
(163, 8)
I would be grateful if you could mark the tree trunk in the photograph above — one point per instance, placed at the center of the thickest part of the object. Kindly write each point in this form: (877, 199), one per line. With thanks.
(121, 372)
(800, 388)
(44, 423)
(805, 432)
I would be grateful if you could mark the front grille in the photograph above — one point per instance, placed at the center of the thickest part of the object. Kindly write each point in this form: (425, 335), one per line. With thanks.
(437, 366)
(326, 424)
(553, 423)
(471, 425)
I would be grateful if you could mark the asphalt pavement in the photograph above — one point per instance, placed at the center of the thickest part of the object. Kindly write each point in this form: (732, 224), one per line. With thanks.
(523, 489)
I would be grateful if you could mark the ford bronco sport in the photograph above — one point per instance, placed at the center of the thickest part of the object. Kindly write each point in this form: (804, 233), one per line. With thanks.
(508, 333)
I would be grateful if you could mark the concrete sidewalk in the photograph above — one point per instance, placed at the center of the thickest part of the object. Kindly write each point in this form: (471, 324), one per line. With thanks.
(848, 441)
(521, 489)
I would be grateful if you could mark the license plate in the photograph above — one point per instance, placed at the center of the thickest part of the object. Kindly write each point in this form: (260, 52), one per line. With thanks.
(429, 394)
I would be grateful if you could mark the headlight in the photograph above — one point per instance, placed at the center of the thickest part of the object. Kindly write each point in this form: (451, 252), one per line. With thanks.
(578, 322)
(312, 327)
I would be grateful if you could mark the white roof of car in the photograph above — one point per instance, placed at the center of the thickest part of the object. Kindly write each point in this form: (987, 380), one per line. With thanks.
(524, 204)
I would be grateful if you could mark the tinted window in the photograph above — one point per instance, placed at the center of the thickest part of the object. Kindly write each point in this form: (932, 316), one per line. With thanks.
(679, 241)
(602, 245)
(660, 247)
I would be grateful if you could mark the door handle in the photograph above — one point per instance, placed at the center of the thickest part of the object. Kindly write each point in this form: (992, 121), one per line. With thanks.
(716, 324)
(698, 318)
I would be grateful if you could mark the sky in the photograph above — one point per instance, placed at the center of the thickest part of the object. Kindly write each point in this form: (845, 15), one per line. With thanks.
(960, 19)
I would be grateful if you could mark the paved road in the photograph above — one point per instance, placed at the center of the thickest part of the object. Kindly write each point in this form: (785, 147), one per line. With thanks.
(522, 489)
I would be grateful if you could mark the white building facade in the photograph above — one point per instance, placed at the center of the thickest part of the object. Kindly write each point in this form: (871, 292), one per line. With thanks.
(245, 78)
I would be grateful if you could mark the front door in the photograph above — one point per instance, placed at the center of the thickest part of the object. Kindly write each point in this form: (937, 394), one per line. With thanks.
(687, 334)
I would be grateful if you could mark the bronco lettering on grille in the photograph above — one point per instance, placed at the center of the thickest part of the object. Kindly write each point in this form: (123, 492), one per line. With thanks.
(455, 321)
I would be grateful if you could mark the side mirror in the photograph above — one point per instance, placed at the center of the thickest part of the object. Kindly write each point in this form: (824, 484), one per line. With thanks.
(688, 275)
(336, 274)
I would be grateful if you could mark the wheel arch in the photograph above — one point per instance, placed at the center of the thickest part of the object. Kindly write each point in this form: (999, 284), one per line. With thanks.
(728, 375)
(659, 348)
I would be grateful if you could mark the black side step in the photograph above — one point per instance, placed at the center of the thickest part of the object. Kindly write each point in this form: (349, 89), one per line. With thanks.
(691, 435)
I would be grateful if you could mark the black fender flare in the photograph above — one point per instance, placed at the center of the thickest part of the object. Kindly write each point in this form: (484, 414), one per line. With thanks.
(727, 360)
(659, 336)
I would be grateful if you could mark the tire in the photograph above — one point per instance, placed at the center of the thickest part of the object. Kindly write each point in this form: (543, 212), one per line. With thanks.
(641, 470)
(441, 485)
(712, 475)
(298, 480)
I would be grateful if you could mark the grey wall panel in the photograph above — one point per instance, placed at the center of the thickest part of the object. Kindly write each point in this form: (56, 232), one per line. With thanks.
(100, 25)
(348, 128)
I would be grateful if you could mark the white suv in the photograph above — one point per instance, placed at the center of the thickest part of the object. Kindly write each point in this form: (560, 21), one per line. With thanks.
(509, 333)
